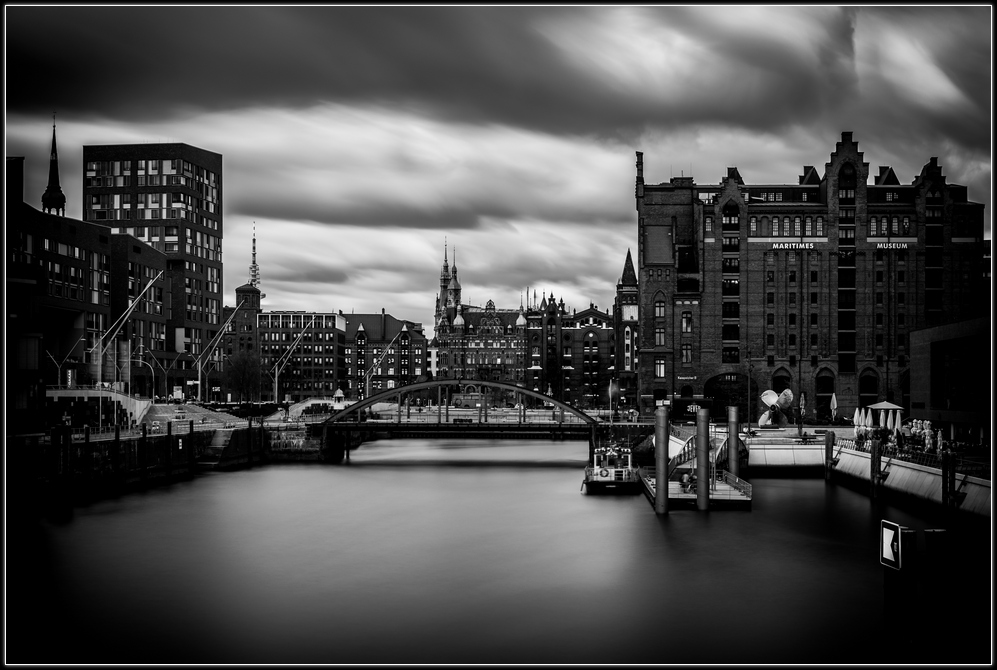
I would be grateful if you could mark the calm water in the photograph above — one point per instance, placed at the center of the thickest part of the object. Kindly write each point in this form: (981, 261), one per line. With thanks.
(434, 552)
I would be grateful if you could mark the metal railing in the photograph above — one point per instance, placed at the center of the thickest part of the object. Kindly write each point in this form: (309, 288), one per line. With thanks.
(964, 464)
(736, 483)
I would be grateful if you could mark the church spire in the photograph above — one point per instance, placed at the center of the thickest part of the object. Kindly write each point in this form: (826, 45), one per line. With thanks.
(54, 200)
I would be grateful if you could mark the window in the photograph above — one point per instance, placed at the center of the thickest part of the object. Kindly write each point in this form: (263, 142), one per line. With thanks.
(813, 276)
(879, 319)
(709, 224)
(659, 367)
(753, 224)
(792, 319)
(820, 226)
(808, 223)
(659, 337)
(770, 339)
(659, 309)
(792, 276)
(770, 277)
(813, 320)
(687, 353)
(686, 322)
(770, 299)
(879, 298)
(770, 319)
(813, 297)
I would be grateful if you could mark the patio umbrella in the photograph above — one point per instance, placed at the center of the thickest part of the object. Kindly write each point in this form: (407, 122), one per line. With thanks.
(856, 422)
(889, 421)
(882, 418)
(867, 422)
(896, 420)
(834, 406)
(885, 405)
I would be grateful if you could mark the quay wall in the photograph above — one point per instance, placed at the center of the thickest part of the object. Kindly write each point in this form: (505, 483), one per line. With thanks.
(914, 480)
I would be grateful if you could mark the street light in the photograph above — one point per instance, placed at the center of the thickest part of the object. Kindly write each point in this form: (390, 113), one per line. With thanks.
(59, 365)
(153, 371)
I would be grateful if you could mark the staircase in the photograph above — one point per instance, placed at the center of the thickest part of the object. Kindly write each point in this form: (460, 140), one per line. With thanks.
(213, 453)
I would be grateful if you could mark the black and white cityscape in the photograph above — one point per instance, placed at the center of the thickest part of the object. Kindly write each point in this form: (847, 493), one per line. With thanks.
(423, 334)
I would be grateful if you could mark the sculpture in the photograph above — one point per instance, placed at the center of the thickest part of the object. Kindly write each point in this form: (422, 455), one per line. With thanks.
(776, 407)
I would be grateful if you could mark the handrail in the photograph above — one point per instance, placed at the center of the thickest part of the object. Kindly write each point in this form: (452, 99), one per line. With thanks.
(736, 483)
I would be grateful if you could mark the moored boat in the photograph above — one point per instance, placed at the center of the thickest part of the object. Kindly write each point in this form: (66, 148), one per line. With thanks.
(612, 470)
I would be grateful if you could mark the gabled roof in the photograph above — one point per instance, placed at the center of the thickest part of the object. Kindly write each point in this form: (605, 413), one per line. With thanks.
(379, 327)
(886, 177)
(809, 176)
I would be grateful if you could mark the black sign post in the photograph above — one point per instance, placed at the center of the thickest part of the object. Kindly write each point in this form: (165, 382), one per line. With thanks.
(890, 545)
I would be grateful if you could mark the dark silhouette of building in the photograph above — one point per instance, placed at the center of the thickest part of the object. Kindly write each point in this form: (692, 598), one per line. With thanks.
(814, 286)
(170, 197)
(72, 292)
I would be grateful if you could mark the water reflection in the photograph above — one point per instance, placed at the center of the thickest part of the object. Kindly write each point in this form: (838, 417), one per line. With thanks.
(422, 552)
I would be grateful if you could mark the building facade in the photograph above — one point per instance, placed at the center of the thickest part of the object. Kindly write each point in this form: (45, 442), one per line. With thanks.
(382, 353)
(813, 286)
(170, 197)
(279, 356)
(75, 290)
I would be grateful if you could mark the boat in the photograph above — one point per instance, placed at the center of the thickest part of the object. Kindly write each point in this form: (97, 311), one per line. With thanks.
(612, 470)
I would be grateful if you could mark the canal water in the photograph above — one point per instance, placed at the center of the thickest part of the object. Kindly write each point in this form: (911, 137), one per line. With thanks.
(440, 552)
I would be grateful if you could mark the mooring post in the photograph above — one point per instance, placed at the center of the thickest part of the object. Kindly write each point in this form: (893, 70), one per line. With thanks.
(661, 441)
(703, 459)
(191, 464)
(116, 454)
(873, 467)
(828, 454)
(439, 404)
(447, 411)
(484, 402)
(479, 408)
(733, 442)
(142, 456)
(946, 464)
(169, 448)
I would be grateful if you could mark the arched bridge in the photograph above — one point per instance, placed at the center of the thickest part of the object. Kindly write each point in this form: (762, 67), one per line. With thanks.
(350, 427)
(395, 394)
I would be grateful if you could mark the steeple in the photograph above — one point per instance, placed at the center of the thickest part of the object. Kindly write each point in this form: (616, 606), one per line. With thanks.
(254, 269)
(54, 199)
(629, 277)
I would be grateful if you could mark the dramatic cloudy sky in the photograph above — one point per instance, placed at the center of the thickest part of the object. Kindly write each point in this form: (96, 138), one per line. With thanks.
(358, 139)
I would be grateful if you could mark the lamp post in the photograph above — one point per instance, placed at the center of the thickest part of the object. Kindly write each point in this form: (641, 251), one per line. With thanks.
(59, 365)
(152, 395)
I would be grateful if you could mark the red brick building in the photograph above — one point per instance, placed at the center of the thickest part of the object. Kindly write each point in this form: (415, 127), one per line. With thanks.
(813, 286)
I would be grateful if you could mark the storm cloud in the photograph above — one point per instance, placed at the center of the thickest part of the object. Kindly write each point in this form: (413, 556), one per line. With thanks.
(359, 139)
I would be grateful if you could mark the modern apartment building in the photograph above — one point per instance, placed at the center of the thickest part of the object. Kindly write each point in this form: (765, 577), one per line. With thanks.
(170, 197)
(813, 286)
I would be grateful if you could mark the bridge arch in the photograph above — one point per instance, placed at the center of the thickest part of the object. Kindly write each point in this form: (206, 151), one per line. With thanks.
(389, 394)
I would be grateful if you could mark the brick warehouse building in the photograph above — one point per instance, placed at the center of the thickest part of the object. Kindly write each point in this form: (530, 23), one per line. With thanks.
(170, 197)
(813, 286)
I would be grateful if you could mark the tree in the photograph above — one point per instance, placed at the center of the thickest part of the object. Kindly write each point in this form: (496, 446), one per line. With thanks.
(242, 375)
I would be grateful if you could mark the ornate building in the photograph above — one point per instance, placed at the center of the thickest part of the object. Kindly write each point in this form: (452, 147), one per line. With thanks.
(476, 343)
(813, 286)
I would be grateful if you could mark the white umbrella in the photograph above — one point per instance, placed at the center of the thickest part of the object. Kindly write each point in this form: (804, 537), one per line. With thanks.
(856, 422)
(889, 421)
(882, 418)
(867, 422)
(834, 406)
